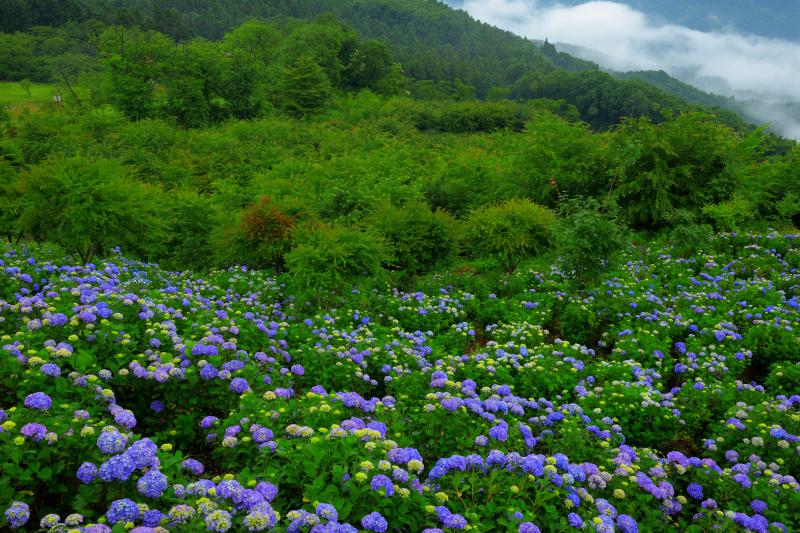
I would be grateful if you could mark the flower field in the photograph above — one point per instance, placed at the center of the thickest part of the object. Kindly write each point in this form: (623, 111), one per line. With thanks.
(665, 399)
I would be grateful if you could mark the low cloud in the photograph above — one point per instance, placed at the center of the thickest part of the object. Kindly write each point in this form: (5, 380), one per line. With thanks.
(621, 38)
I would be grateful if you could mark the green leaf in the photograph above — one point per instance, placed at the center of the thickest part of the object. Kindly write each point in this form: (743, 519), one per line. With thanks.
(82, 360)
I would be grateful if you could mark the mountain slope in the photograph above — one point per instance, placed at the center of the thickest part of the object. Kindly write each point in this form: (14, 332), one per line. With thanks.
(444, 51)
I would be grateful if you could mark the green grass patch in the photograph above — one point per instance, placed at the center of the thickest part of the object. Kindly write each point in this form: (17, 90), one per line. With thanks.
(12, 94)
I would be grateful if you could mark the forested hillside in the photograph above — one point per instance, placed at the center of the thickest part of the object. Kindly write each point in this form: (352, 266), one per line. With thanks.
(444, 53)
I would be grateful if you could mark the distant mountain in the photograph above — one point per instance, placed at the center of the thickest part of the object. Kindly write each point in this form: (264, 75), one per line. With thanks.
(779, 19)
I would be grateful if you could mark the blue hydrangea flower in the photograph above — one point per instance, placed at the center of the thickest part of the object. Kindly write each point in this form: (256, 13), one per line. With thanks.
(152, 518)
(87, 472)
(239, 385)
(374, 522)
(34, 431)
(627, 524)
(123, 510)
(695, 490)
(194, 466)
(327, 511)
(39, 401)
(18, 513)
(50, 520)
(382, 482)
(111, 442)
(117, 468)
(575, 520)
(51, 369)
(152, 484)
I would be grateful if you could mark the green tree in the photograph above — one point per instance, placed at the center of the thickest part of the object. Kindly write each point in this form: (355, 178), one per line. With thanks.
(12, 202)
(89, 206)
(193, 219)
(26, 86)
(420, 238)
(589, 238)
(509, 231)
(304, 88)
(686, 162)
(327, 260)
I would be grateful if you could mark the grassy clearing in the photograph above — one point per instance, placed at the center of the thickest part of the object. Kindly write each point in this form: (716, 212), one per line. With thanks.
(14, 96)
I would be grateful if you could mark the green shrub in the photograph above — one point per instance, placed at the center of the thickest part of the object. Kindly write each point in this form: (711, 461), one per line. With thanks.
(193, 219)
(89, 206)
(687, 234)
(589, 238)
(509, 231)
(327, 260)
(730, 214)
(420, 238)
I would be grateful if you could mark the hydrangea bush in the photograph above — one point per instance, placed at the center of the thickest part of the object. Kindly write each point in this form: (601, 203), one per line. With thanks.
(664, 398)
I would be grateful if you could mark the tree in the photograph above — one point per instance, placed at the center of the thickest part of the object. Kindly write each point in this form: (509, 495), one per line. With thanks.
(11, 202)
(589, 239)
(26, 86)
(261, 234)
(329, 259)
(89, 206)
(368, 63)
(419, 237)
(305, 88)
(509, 231)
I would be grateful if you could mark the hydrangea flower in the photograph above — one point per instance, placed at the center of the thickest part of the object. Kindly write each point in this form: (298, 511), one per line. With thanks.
(374, 522)
(152, 484)
(39, 401)
(17, 515)
(218, 520)
(123, 510)
(111, 442)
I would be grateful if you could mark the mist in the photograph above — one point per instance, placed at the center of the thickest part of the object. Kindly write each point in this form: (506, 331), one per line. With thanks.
(761, 71)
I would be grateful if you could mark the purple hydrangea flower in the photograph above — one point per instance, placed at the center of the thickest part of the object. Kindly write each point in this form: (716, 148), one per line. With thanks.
(34, 431)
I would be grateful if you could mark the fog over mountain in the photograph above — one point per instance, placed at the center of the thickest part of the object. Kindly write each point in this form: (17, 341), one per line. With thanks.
(761, 72)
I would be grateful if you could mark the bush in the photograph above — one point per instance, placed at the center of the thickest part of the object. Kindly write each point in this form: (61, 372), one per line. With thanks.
(687, 234)
(730, 214)
(589, 238)
(470, 117)
(420, 238)
(509, 231)
(328, 259)
(261, 234)
(193, 220)
(89, 206)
